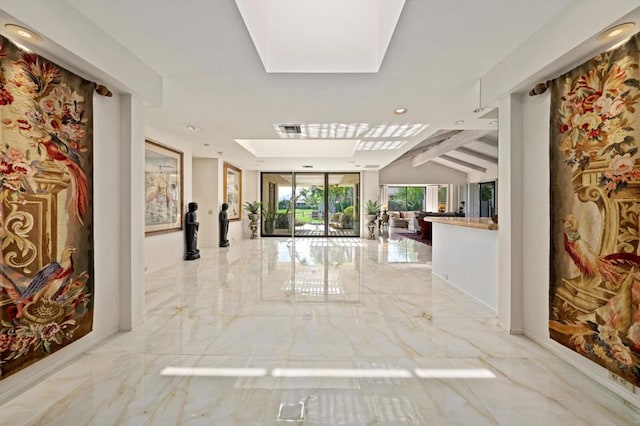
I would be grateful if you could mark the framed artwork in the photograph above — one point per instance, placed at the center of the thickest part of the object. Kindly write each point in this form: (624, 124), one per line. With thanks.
(233, 191)
(163, 189)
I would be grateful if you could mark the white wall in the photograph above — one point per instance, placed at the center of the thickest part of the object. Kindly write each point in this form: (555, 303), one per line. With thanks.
(429, 173)
(165, 249)
(106, 208)
(535, 240)
(208, 189)
(251, 193)
(369, 190)
(468, 259)
(205, 193)
(509, 203)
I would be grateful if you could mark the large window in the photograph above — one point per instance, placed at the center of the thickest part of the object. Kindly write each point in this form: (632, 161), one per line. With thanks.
(405, 198)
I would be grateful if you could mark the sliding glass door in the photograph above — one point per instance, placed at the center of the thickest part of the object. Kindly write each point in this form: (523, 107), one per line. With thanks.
(311, 204)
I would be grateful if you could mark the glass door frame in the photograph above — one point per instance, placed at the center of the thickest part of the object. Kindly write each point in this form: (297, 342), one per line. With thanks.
(356, 220)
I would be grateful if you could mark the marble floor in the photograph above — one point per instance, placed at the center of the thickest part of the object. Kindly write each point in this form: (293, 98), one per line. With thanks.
(317, 332)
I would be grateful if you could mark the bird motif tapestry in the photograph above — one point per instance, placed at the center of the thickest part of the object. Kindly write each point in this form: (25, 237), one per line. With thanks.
(594, 300)
(46, 215)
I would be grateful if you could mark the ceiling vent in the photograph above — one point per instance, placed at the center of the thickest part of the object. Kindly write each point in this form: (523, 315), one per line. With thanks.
(372, 166)
(293, 129)
(306, 166)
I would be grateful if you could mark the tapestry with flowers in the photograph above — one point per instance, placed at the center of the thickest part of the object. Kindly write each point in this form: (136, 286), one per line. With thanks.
(46, 214)
(594, 300)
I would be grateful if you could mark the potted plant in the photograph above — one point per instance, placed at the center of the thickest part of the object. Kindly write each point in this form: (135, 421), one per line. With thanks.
(371, 207)
(254, 216)
(269, 217)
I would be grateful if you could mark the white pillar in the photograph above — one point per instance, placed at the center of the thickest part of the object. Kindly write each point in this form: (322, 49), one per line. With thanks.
(131, 212)
(510, 315)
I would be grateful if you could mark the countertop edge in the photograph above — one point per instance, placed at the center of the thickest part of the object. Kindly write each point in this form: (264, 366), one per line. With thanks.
(478, 223)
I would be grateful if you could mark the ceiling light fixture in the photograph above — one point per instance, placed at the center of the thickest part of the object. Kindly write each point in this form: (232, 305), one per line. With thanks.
(22, 32)
(459, 122)
(400, 111)
(615, 31)
(493, 122)
(193, 128)
(207, 144)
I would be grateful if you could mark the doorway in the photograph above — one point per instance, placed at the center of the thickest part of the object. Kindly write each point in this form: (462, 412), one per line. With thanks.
(310, 204)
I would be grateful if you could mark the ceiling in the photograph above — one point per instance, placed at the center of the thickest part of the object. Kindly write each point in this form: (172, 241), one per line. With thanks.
(215, 80)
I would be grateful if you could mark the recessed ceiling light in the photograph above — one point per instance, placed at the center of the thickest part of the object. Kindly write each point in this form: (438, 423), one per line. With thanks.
(193, 128)
(207, 144)
(23, 32)
(400, 111)
(220, 153)
(493, 122)
(613, 32)
(307, 166)
(459, 122)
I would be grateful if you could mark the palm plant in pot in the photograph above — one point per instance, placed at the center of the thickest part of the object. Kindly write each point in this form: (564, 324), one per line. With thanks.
(269, 216)
(371, 209)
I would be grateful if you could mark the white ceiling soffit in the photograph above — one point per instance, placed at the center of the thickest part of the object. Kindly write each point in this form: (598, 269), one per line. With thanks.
(296, 148)
(321, 36)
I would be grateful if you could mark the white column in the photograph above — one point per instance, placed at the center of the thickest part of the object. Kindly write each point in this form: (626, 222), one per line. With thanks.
(510, 315)
(131, 212)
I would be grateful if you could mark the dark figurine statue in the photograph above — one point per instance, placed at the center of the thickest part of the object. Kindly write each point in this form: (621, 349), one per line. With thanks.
(191, 230)
(224, 225)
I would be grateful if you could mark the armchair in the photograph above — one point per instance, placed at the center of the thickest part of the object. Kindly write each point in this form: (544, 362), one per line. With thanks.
(425, 229)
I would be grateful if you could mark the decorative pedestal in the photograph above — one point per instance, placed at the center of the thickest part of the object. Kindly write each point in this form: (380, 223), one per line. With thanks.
(31, 228)
(253, 225)
(371, 226)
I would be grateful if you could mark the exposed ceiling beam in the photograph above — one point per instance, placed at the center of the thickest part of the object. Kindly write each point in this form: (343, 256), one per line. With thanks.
(488, 140)
(478, 155)
(463, 163)
(450, 144)
(429, 143)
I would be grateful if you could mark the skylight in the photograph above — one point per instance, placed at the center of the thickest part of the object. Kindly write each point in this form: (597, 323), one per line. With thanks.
(321, 36)
(379, 145)
(322, 130)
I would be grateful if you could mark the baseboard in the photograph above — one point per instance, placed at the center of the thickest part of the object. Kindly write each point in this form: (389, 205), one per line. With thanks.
(631, 399)
(513, 331)
(21, 381)
(491, 308)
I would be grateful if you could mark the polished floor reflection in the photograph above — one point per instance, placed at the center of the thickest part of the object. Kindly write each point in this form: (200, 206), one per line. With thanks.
(319, 332)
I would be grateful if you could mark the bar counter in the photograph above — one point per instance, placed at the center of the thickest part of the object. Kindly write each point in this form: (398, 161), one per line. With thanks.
(465, 254)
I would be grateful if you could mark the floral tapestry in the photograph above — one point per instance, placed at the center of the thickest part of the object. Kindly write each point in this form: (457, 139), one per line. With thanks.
(46, 214)
(594, 305)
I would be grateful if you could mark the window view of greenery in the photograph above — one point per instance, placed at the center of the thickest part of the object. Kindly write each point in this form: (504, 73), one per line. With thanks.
(487, 202)
(442, 198)
(405, 198)
(318, 210)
